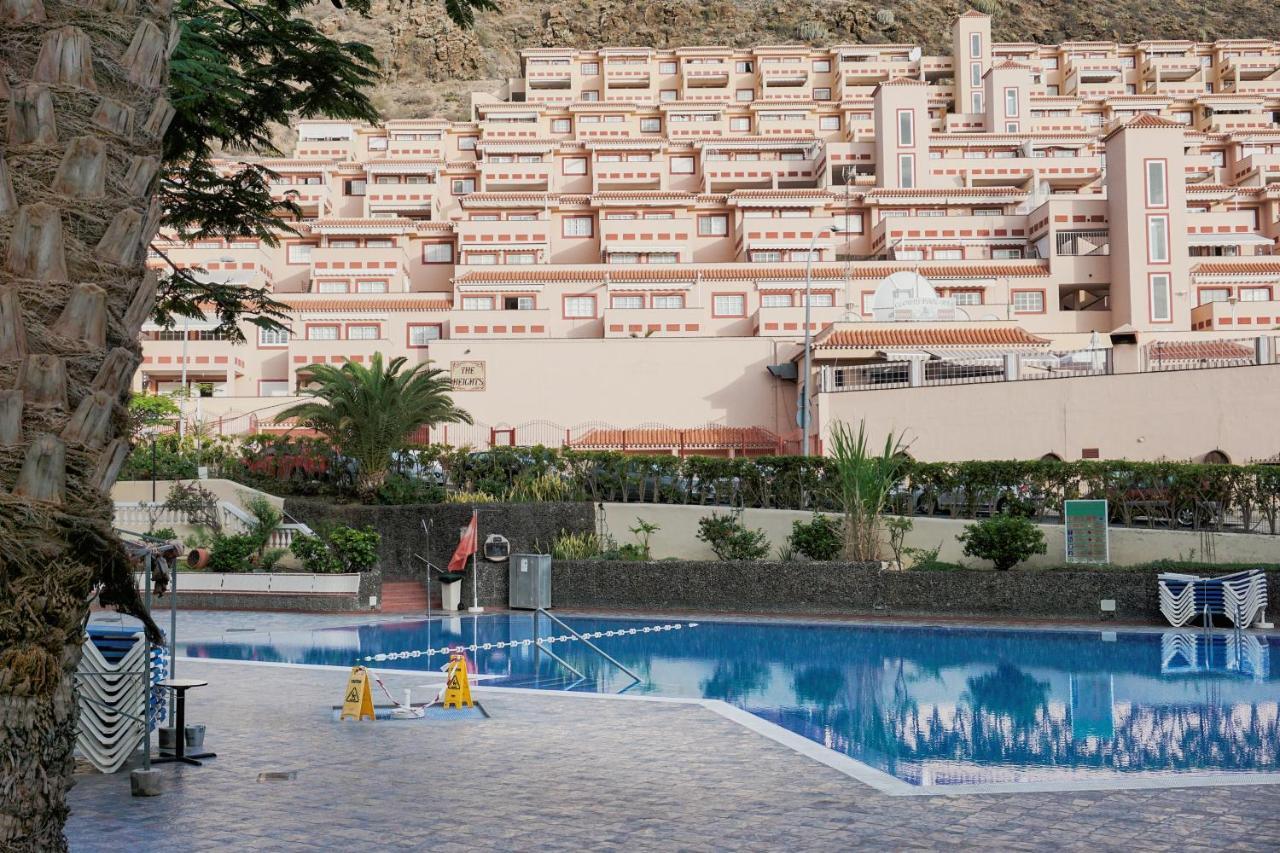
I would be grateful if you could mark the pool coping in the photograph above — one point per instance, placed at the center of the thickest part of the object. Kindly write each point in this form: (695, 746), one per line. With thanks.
(846, 765)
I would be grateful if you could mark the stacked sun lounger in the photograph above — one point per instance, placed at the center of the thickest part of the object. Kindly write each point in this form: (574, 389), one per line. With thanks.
(1240, 597)
(1231, 653)
(113, 696)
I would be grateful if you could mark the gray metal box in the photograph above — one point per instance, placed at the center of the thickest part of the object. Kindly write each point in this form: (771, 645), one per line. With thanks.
(530, 576)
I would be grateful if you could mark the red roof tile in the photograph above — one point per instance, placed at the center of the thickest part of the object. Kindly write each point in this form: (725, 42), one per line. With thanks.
(748, 272)
(930, 336)
(706, 438)
(1247, 268)
(327, 306)
(1199, 351)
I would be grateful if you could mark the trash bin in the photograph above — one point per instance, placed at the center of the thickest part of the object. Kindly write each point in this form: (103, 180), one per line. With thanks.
(530, 581)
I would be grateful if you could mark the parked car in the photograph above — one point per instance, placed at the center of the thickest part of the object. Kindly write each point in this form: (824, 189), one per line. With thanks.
(927, 502)
(1159, 500)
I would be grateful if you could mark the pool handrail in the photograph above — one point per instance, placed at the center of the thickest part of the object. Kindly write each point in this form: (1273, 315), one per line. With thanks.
(593, 646)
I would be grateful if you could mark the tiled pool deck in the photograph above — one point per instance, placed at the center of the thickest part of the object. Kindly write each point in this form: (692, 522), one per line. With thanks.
(556, 772)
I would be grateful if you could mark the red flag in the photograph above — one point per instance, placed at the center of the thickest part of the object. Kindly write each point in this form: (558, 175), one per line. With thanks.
(466, 546)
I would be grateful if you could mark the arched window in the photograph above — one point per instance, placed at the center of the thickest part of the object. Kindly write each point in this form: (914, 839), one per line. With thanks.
(1051, 457)
(1216, 457)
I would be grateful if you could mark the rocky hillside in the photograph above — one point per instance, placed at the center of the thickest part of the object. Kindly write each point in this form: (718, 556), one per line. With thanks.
(429, 65)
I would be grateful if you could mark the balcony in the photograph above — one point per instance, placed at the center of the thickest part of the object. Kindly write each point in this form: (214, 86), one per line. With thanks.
(789, 234)
(1248, 67)
(399, 198)
(628, 176)
(1238, 122)
(646, 235)
(1103, 70)
(870, 71)
(947, 230)
(706, 75)
(514, 177)
(313, 199)
(789, 321)
(663, 322)
(1257, 170)
(163, 360)
(508, 234)
(323, 149)
(548, 76)
(303, 352)
(390, 263)
(1243, 317)
(1016, 171)
(783, 72)
(415, 149)
(1163, 68)
(729, 175)
(626, 75)
(486, 325)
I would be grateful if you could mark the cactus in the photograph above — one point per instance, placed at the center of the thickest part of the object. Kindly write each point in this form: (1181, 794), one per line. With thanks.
(884, 17)
(986, 7)
(813, 31)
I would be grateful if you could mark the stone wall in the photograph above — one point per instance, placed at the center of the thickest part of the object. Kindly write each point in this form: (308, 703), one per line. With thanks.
(860, 588)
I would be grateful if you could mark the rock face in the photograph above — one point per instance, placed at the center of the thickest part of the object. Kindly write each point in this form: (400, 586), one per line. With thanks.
(430, 66)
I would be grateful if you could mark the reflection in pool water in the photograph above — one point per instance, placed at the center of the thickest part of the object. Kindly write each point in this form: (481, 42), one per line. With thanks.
(929, 705)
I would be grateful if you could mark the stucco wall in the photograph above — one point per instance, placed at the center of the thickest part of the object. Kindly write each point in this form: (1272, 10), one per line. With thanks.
(1170, 415)
(1129, 546)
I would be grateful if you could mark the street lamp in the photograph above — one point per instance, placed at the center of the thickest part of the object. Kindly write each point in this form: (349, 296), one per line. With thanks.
(803, 415)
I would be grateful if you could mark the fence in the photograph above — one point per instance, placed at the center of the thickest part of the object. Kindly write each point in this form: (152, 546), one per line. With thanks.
(142, 516)
(1198, 355)
(966, 369)
(711, 438)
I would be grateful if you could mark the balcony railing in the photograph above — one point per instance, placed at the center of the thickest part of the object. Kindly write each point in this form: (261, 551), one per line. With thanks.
(966, 370)
(1160, 356)
(1083, 243)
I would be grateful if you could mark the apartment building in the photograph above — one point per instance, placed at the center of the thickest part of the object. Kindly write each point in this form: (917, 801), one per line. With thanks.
(631, 236)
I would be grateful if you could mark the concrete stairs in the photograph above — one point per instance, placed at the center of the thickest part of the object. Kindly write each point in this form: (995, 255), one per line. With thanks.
(403, 597)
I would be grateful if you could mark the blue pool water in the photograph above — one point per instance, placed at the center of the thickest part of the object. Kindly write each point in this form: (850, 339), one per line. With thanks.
(928, 705)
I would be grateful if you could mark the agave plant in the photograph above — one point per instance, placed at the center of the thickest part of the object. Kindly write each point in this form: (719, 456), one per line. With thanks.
(864, 478)
(370, 413)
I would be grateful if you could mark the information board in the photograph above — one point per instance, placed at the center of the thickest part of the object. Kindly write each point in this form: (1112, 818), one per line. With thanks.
(1087, 533)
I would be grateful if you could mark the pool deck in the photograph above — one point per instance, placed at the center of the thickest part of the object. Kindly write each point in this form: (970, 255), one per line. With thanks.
(549, 771)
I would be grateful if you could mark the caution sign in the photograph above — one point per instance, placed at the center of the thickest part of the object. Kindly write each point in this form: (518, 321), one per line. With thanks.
(357, 701)
(457, 689)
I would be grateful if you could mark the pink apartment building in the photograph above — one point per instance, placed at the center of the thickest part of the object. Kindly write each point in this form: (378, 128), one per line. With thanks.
(618, 253)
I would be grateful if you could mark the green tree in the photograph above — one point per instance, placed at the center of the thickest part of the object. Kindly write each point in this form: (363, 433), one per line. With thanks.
(370, 413)
(1005, 540)
(112, 117)
(863, 479)
(150, 410)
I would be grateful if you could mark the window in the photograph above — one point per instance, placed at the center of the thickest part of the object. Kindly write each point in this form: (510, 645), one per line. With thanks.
(422, 335)
(663, 257)
(379, 243)
(650, 125)
(1255, 294)
(355, 186)
(713, 226)
(868, 302)
(1131, 88)
(666, 68)
(1218, 158)
(590, 96)
(775, 300)
(624, 258)
(517, 303)
(670, 301)
(829, 122)
(520, 258)
(362, 333)
(273, 388)
(740, 123)
(574, 165)
(1010, 103)
(322, 333)
(1158, 239)
(967, 297)
(437, 253)
(1053, 90)
(906, 171)
(1214, 294)
(482, 259)
(743, 67)
(1156, 196)
(975, 45)
(588, 119)
(1161, 312)
(682, 165)
(331, 287)
(668, 95)
(975, 102)
(626, 302)
(770, 256)
(273, 337)
(822, 66)
(975, 73)
(477, 303)
(948, 254)
(561, 125)
(820, 300)
(744, 94)
(377, 143)
(590, 69)
(1005, 254)
(1127, 62)
(729, 305)
(1028, 301)
(1050, 63)
(580, 307)
(467, 143)
(822, 93)
(463, 186)
(371, 287)
(851, 223)
(906, 128)
(578, 226)
(299, 253)
(387, 179)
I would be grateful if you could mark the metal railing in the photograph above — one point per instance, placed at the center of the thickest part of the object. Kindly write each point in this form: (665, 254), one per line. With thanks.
(966, 370)
(1084, 243)
(610, 658)
(1160, 356)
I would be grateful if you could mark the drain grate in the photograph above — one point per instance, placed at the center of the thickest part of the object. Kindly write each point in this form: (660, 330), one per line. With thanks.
(277, 775)
(239, 630)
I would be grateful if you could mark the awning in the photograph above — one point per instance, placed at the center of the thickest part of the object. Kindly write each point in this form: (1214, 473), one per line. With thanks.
(650, 285)
(500, 287)
(821, 243)
(1228, 240)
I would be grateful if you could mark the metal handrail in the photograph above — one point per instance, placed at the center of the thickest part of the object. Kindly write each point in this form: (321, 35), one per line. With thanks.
(555, 657)
(592, 645)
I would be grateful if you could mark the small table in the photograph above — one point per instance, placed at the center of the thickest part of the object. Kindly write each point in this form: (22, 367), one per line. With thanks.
(180, 686)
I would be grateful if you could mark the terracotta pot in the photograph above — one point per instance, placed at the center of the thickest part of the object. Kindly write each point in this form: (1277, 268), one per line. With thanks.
(198, 558)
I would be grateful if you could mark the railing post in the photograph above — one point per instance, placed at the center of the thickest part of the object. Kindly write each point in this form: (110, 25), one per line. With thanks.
(915, 372)
(1012, 367)
(1262, 350)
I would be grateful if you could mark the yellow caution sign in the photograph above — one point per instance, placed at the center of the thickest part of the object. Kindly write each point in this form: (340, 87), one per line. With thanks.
(357, 702)
(457, 690)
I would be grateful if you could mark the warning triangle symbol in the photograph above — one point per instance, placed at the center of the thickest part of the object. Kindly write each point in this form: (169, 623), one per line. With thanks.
(354, 695)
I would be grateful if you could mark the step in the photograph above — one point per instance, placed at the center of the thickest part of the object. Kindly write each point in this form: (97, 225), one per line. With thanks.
(403, 597)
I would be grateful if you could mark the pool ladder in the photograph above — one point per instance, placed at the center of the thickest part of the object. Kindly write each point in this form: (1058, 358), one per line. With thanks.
(635, 679)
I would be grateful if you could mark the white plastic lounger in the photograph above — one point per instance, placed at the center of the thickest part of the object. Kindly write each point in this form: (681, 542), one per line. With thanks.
(1241, 597)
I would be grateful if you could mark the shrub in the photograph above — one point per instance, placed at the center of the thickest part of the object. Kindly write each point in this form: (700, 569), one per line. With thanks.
(357, 550)
(1005, 540)
(884, 17)
(399, 490)
(819, 539)
(270, 557)
(315, 555)
(232, 553)
(470, 498)
(813, 32)
(730, 539)
(898, 528)
(986, 7)
(168, 534)
(576, 546)
(530, 488)
(265, 519)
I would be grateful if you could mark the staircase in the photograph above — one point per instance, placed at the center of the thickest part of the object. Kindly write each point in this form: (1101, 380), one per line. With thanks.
(403, 597)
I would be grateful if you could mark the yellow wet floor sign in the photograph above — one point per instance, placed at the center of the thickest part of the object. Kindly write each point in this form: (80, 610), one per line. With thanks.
(457, 690)
(357, 702)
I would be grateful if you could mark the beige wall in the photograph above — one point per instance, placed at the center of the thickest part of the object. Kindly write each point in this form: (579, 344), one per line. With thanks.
(230, 491)
(1181, 414)
(679, 527)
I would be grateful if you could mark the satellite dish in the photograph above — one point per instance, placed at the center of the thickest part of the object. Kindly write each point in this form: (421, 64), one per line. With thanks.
(900, 289)
(915, 54)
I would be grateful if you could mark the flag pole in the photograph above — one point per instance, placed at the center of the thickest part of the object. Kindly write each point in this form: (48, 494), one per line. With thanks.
(475, 580)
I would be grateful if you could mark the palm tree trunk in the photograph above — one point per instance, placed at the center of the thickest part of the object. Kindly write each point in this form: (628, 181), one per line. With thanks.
(79, 152)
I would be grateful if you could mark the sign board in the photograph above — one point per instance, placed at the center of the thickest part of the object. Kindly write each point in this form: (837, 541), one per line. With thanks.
(1087, 532)
(357, 701)
(457, 689)
(467, 375)
(909, 297)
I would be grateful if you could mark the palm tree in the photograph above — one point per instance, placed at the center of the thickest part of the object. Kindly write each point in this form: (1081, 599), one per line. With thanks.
(863, 480)
(369, 413)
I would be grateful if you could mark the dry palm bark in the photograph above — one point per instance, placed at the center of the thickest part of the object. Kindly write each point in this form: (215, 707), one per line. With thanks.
(82, 87)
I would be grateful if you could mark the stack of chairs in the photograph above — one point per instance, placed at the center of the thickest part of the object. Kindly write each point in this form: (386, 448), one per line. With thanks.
(1235, 653)
(113, 697)
(1240, 597)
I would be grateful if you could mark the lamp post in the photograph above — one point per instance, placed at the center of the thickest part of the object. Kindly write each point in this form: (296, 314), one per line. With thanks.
(803, 415)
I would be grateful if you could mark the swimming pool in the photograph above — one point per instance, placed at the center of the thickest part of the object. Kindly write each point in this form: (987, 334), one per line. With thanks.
(929, 705)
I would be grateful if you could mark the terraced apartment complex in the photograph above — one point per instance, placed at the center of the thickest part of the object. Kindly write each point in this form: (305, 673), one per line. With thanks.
(632, 240)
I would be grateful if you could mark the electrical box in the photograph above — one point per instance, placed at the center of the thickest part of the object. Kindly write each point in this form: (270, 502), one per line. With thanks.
(530, 576)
